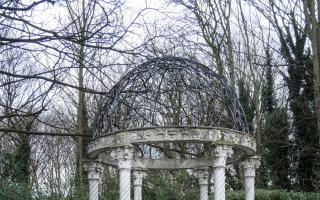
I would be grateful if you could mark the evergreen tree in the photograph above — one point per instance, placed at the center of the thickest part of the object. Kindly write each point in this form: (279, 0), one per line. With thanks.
(22, 159)
(299, 79)
(276, 145)
(245, 101)
(268, 100)
(301, 101)
(275, 138)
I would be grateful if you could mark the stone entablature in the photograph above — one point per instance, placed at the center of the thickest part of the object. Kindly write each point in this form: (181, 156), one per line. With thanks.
(206, 135)
(138, 163)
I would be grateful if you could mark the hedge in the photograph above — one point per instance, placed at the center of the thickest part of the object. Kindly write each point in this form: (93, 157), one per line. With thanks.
(275, 195)
(15, 191)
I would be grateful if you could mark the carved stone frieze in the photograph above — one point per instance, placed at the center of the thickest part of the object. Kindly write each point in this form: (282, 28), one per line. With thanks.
(209, 135)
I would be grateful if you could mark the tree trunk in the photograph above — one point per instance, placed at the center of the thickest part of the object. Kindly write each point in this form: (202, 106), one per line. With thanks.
(82, 126)
(230, 52)
(313, 25)
(256, 101)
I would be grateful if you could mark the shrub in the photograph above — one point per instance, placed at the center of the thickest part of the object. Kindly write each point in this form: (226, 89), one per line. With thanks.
(275, 195)
(15, 191)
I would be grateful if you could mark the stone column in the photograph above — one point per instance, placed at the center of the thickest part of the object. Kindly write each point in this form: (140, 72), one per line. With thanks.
(94, 170)
(221, 152)
(138, 176)
(124, 156)
(249, 168)
(203, 176)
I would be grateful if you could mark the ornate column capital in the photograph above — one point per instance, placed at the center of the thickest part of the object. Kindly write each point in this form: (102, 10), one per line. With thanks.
(124, 155)
(94, 169)
(203, 175)
(220, 155)
(250, 165)
(138, 176)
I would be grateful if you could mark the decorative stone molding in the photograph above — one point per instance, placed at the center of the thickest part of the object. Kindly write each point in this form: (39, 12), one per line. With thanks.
(138, 176)
(124, 155)
(207, 135)
(202, 175)
(94, 170)
(250, 165)
(192, 163)
(220, 154)
(124, 164)
(249, 168)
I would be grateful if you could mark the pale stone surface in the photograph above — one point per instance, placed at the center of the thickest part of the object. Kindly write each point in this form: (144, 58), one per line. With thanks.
(249, 167)
(94, 171)
(117, 150)
(203, 176)
(219, 183)
(137, 190)
(221, 153)
(124, 183)
(124, 155)
(173, 134)
(172, 163)
(138, 176)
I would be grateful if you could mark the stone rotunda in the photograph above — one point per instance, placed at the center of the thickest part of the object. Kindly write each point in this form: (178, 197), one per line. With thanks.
(171, 113)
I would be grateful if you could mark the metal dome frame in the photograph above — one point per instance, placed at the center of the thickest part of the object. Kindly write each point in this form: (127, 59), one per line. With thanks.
(173, 101)
(144, 97)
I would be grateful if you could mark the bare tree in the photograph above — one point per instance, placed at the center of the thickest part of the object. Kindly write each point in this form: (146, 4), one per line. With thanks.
(213, 19)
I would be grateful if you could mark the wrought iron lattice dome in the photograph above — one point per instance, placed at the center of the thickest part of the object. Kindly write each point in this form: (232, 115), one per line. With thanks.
(170, 91)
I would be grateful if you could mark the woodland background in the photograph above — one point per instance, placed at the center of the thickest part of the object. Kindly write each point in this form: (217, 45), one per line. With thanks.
(59, 57)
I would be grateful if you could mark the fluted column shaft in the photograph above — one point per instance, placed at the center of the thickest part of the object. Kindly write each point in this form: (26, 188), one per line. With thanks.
(203, 176)
(124, 156)
(93, 189)
(137, 184)
(137, 192)
(249, 188)
(94, 171)
(125, 183)
(219, 183)
(221, 152)
(249, 168)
